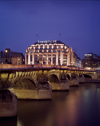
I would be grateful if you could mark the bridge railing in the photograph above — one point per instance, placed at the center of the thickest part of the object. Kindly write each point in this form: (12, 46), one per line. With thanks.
(11, 66)
(40, 66)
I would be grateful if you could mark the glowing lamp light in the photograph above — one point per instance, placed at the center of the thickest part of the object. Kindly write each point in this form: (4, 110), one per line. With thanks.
(61, 46)
(6, 50)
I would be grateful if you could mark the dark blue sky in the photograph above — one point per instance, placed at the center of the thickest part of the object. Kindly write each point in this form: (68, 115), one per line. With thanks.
(77, 21)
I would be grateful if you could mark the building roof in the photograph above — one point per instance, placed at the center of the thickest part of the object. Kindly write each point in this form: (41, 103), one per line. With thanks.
(10, 54)
(92, 55)
(49, 42)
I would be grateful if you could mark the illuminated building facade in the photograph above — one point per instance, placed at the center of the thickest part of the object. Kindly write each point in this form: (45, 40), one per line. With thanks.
(10, 57)
(49, 53)
(91, 61)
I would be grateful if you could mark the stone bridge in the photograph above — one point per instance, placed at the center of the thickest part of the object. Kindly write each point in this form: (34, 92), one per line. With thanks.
(38, 83)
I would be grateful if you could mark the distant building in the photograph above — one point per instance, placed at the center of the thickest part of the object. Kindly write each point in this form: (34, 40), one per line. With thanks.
(77, 61)
(10, 57)
(50, 53)
(91, 61)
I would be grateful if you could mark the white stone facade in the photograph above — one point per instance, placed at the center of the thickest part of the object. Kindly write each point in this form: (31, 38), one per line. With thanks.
(49, 53)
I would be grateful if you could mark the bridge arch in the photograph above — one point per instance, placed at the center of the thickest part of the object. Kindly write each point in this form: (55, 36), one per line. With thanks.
(87, 76)
(54, 72)
(68, 76)
(90, 74)
(54, 81)
(53, 78)
(24, 83)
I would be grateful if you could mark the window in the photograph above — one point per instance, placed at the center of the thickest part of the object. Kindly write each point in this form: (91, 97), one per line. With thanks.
(49, 50)
(40, 57)
(45, 46)
(41, 47)
(50, 47)
(31, 58)
(54, 46)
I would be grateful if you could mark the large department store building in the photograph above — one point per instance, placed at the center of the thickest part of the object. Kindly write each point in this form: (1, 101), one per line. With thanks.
(50, 53)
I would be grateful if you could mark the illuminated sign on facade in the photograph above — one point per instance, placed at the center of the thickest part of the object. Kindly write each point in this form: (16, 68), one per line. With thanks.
(47, 41)
(88, 54)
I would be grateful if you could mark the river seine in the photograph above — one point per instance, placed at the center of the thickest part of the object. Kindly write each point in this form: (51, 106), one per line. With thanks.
(78, 107)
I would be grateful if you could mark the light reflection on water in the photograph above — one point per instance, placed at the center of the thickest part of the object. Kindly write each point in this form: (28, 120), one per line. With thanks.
(77, 107)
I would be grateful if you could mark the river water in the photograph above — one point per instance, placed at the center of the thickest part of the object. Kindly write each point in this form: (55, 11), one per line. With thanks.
(78, 107)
